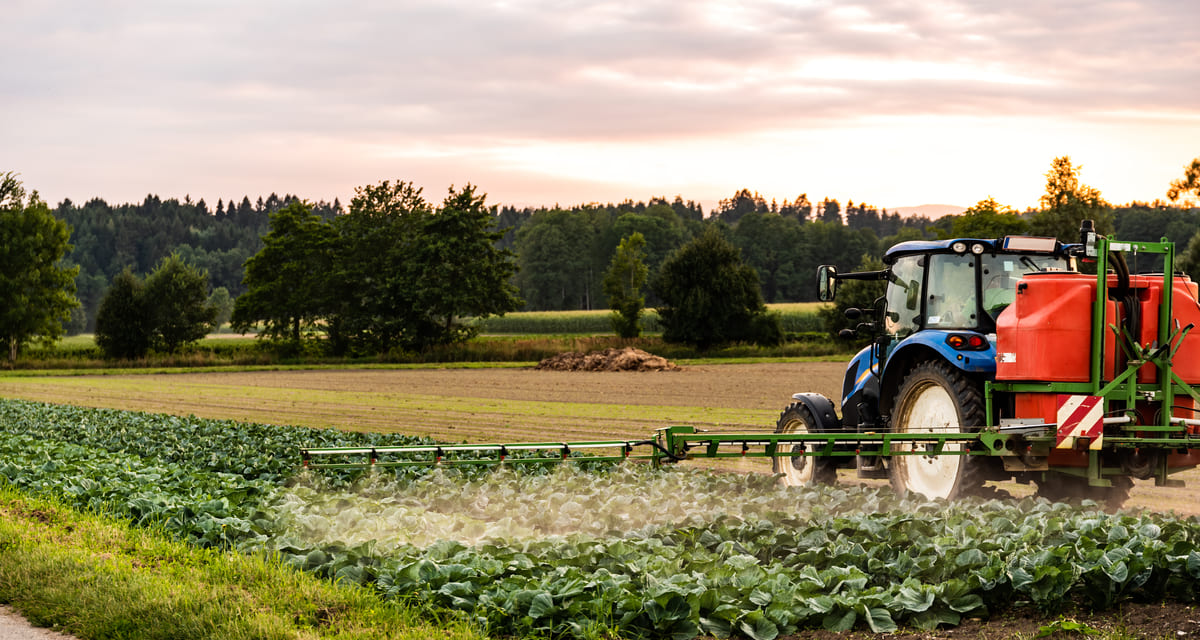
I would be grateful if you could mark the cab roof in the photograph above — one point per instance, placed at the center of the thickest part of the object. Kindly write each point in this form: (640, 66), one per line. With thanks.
(1008, 244)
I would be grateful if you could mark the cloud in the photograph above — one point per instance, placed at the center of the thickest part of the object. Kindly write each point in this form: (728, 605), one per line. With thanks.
(161, 79)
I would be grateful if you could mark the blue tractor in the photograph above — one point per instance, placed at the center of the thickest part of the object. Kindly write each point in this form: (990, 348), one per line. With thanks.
(934, 347)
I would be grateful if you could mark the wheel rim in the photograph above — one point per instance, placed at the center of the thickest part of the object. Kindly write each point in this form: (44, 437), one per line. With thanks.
(797, 470)
(931, 410)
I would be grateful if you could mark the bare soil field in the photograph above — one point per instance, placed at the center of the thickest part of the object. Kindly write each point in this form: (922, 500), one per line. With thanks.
(460, 404)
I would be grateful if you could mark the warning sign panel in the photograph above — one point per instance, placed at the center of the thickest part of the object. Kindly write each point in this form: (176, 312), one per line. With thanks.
(1080, 417)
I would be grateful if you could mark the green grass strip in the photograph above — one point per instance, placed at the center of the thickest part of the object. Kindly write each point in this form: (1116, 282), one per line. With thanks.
(93, 577)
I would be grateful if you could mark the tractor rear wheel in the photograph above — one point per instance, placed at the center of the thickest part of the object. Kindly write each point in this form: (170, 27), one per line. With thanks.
(937, 397)
(802, 470)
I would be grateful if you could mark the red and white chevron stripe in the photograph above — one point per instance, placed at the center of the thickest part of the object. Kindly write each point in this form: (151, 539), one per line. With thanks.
(1080, 417)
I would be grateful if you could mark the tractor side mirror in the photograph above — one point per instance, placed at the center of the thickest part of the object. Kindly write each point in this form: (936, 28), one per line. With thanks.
(826, 282)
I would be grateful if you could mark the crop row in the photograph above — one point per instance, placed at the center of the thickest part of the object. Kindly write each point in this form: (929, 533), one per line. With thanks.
(636, 551)
(730, 555)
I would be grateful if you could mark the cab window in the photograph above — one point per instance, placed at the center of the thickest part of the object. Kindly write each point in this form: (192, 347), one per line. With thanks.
(950, 301)
(904, 296)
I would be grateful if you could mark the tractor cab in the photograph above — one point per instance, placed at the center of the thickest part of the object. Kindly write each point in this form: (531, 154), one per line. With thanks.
(946, 295)
(959, 284)
(942, 300)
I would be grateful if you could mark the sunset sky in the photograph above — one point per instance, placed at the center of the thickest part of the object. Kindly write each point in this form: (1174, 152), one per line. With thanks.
(541, 102)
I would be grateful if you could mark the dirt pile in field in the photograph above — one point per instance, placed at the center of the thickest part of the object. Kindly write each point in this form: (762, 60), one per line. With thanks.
(627, 359)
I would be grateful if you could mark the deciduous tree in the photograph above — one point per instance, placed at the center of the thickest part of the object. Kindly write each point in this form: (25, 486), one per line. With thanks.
(287, 279)
(457, 272)
(166, 311)
(177, 298)
(405, 275)
(1187, 187)
(623, 283)
(988, 219)
(711, 296)
(124, 326)
(661, 228)
(373, 286)
(1067, 202)
(37, 292)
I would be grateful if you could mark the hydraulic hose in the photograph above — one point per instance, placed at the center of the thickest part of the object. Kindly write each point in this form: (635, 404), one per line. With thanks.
(1132, 317)
(662, 449)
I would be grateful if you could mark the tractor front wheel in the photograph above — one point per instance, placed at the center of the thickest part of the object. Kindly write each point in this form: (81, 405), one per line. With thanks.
(936, 398)
(802, 470)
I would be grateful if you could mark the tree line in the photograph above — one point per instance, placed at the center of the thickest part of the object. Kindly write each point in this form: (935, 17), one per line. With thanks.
(562, 252)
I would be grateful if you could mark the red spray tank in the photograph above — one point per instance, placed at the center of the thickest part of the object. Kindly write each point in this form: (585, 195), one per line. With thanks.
(1046, 336)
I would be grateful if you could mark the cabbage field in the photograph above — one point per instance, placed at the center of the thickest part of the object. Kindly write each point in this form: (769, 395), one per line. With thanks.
(627, 550)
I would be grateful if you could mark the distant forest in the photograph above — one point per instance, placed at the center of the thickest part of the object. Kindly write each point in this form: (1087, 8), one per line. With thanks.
(562, 252)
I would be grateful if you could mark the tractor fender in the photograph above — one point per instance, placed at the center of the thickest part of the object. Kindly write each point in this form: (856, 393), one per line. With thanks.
(931, 345)
(822, 409)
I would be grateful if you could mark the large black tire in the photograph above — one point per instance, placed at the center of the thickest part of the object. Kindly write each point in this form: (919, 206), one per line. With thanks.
(802, 470)
(937, 397)
(1060, 487)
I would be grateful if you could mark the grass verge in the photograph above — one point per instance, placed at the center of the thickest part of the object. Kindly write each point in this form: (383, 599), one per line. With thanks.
(93, 577)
